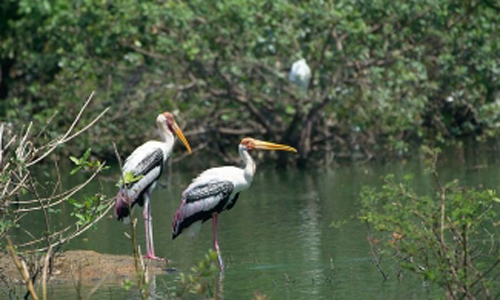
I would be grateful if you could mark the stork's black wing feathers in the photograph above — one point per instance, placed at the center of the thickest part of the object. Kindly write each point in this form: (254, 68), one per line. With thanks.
(153, 160)
(147, 164)
(220, 189)
(134, 191)
(200, 202)
(232, 202)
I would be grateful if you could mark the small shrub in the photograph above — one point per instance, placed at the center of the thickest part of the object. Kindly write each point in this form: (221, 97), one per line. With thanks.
(448, 237)
(202, 278)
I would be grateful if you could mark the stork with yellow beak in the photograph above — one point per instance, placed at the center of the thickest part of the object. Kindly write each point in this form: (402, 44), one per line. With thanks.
(141, 172)
(217, 189)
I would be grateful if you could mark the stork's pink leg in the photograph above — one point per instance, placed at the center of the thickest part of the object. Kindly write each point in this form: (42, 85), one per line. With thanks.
(148, 226)
(216, 242)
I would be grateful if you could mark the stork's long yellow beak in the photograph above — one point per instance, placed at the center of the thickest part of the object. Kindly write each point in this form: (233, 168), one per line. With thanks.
(181, 136)
(262, 145)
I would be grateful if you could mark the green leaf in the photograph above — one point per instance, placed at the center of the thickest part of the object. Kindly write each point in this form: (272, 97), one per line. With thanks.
(75, 170)
(75, 160)
(128, 178)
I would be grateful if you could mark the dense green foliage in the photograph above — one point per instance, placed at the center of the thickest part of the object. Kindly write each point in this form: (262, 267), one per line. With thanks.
(448, 236)
(385, 73)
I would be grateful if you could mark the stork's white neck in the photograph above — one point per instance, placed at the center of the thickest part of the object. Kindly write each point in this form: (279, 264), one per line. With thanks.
(249, 163)
(166, 135)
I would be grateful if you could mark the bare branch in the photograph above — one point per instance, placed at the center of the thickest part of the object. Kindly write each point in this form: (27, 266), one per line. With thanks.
(45, 271)
(21, 267)
(67, 137)
(67, 196)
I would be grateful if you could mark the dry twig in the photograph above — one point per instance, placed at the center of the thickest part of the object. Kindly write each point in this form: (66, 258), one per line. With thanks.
(23, 270)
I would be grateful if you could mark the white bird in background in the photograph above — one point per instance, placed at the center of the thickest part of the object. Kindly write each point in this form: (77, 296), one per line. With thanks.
(300, 74)
(217, 189)
(145, 165)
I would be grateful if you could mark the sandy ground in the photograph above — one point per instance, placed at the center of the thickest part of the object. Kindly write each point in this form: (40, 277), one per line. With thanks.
(90, 266)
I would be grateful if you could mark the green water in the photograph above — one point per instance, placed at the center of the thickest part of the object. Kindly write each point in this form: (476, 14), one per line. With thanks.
(277, 240)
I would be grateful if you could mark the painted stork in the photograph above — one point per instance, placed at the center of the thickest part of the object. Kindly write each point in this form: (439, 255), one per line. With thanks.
(217, 189)
(142, 169)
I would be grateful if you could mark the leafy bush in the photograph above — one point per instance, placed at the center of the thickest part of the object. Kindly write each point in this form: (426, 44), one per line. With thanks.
(448, 236)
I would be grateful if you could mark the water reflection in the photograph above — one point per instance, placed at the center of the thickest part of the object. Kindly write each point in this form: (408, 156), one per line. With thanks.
(151, 284)
(310, 230)
(220, 286)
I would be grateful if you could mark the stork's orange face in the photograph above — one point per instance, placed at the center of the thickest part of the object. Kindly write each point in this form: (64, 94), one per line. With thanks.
(170, 118)
(172, 125)
(251, 144)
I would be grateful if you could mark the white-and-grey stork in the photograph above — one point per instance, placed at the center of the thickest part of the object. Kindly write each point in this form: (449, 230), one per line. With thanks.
(217, 189)
(146, 165)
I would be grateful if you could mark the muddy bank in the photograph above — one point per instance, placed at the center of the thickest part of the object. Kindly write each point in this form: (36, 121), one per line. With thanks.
(87, 266)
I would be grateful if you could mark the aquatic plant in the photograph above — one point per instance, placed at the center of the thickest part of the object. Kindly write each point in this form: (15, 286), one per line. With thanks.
(201, 280)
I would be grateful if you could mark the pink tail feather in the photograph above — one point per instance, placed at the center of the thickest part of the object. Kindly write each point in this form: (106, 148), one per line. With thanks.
(176, 223)
(122, 210)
